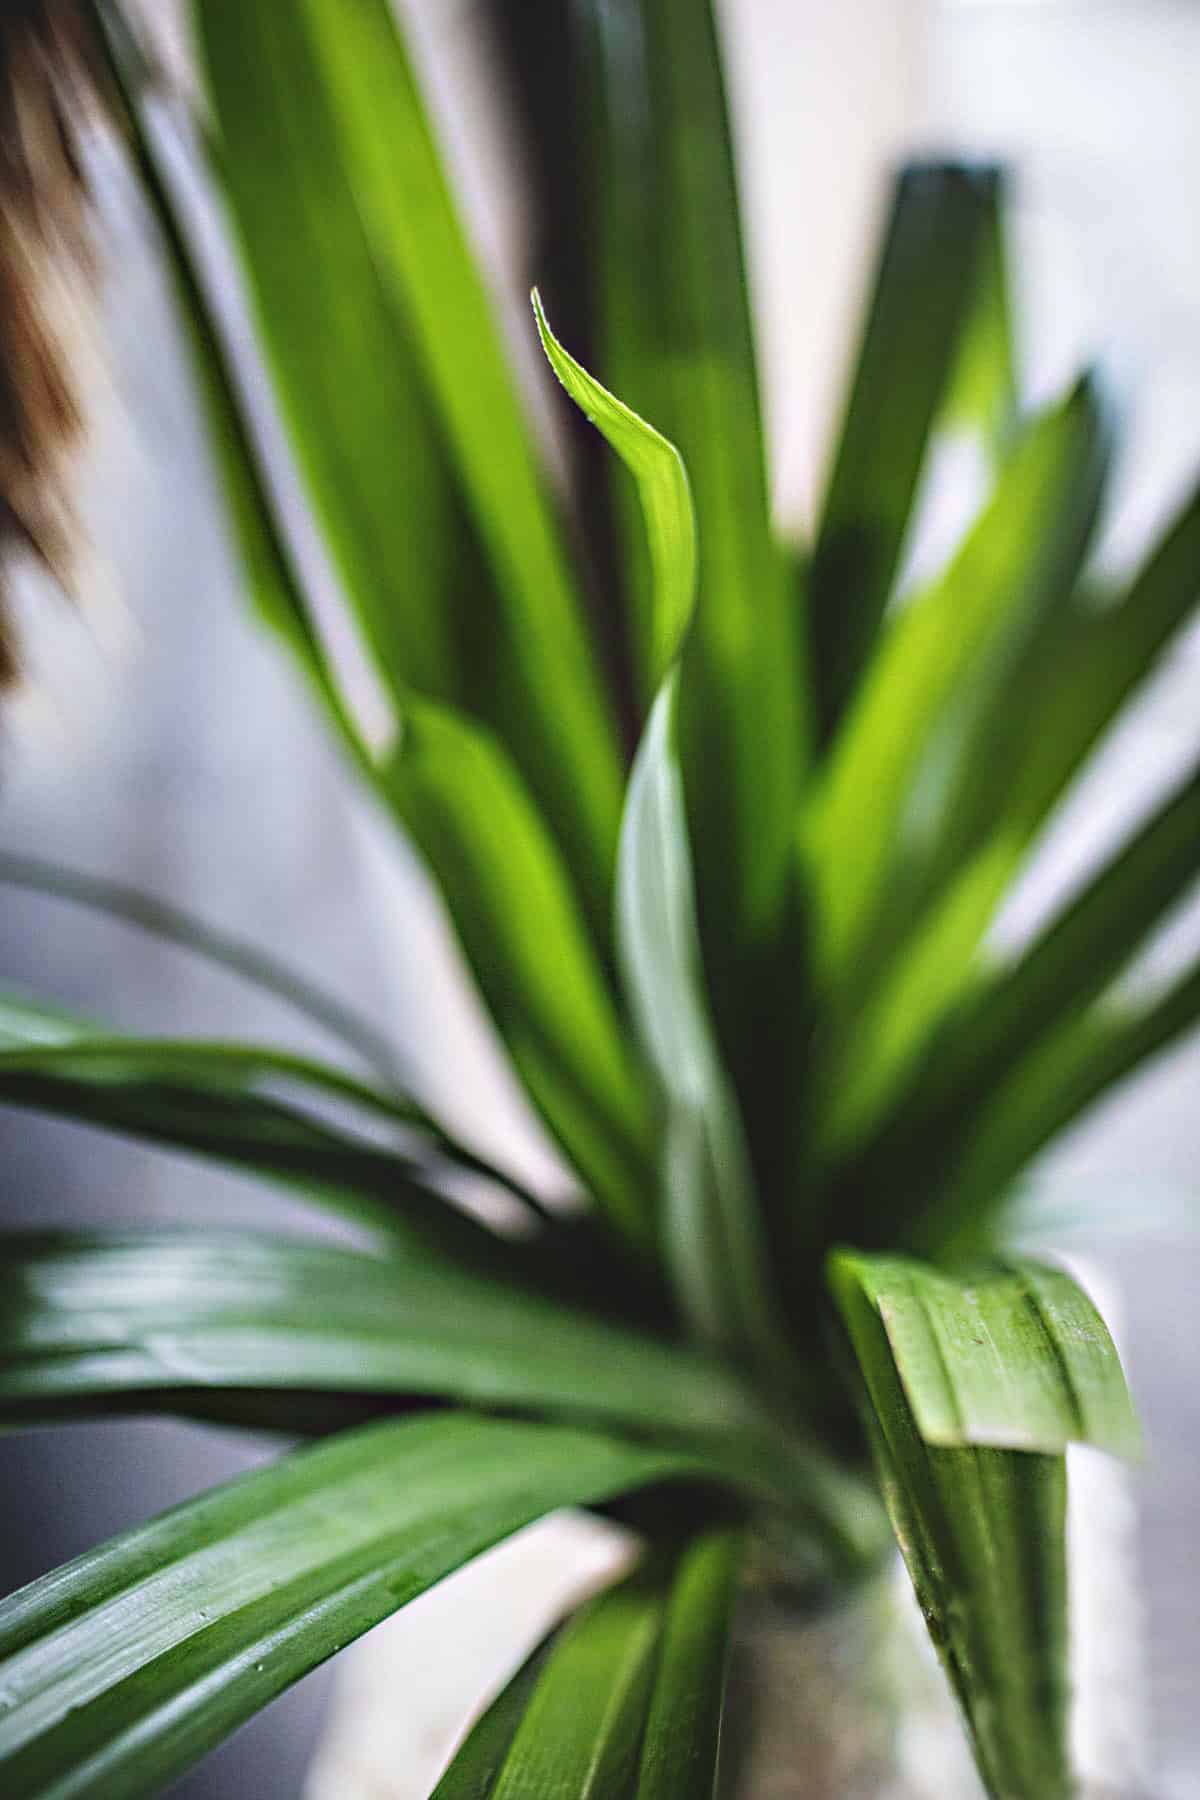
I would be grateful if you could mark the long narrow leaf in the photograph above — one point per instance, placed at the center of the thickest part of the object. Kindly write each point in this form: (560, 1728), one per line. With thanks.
(174, 924)
(1025, 547)
(49, 1047)
(542, 688)
(525, 938)
(582, 1728)
(480, 1758)
(275, 584)
(1017, 774)
(122, 1668)
(209, 1099)
(678, 346)
(1076, 1066)
(89, 1318)
(681, 1744)
(712, 1231)
(933, 266)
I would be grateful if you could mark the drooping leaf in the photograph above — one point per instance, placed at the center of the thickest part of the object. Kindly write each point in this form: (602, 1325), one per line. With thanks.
(174, 924)
(1014, 1356)
(221, 1100)
(683, 1725)
(663, 492)
(92, 1319)
(123, 1667)
(525, 938)
(982, 1532)
(1024, 549)
(938, 253)
(712, 1233)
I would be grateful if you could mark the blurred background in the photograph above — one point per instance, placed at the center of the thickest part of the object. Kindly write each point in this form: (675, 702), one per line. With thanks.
(166, 743)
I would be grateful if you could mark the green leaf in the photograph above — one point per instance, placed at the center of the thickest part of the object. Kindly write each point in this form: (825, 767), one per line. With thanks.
(89, 1318)
(678, 346)
(982, 1532)
(1019, 774)
(1013, 1357)
(275, 584)
(350, 175)
(627, 1698)
(711, 1229)
(219, 1100)
(523, 934)
(938, 254)
(1006, 1021)
(130, 906)
(478, 1761)
(1024, 550)
(663, 490)
(1071, 1070)
(581, 1730)
(683, 1724)
(122, 1668)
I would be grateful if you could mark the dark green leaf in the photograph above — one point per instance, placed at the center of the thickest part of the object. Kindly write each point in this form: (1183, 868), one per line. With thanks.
(122, 1668)
(1050, 1089)
(678, 348)
(683, 1724)
(524, 936)
(583, 1725)
(1013, 1357)
(337, 183)
(480, 1758)
(1109, 651)
(219, 1100)
(130, 906)
(275, 584)
(88, 1318)
(937, 257)
(982, 1532)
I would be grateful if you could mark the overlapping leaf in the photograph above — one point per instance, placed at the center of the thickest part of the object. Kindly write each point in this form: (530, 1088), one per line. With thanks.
(88, 1319)
(337, 184)
(982, 1531)
(1015, 1357)
(678, 346)
(123, 1667)
(1024, 550)
(626, 1700)
(940, 249)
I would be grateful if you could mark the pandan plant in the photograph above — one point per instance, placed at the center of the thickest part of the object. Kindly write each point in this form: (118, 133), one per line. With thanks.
(722, 825)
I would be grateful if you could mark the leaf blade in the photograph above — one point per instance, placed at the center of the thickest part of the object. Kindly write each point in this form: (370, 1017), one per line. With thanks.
(291, 1562)
(663, 491)
(942, 217)
(1014, 1357)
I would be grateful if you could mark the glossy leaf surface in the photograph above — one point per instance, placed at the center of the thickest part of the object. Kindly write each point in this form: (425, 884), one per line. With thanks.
(982, 1532)
(124, 1666)
(1016, 1357)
